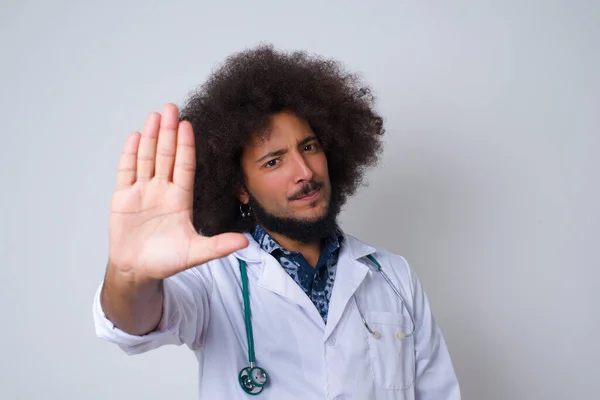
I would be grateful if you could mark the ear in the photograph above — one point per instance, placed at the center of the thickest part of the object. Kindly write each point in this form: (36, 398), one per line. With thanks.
(243, 195)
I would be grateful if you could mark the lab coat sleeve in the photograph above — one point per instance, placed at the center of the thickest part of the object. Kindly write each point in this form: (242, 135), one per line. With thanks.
(435, 376)
(185, 316)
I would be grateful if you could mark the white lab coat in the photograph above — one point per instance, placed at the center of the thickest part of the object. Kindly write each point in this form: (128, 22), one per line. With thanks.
(304, 357)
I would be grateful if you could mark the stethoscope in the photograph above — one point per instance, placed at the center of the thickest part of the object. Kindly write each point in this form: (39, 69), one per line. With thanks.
(252, 378)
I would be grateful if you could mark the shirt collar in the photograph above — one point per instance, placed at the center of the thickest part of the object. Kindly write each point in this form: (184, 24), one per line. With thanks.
(268, 244)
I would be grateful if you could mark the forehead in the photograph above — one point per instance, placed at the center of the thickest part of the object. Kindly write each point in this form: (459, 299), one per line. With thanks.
(283, 129)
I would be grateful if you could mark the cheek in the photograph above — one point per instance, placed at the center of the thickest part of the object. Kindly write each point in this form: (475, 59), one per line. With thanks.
(271, 187)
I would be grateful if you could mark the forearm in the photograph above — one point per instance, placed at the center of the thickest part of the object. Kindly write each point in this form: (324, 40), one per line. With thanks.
(131, 305)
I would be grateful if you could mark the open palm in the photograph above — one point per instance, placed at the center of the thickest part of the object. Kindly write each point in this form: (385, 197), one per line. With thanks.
(151, 233)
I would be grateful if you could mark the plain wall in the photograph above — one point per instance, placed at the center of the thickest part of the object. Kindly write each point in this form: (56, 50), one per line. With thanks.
(488, 184)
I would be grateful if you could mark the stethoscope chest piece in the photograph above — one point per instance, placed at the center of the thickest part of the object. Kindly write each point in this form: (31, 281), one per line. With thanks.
(253, 379)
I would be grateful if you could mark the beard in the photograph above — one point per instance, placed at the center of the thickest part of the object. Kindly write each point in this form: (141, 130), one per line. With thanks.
(300, 230)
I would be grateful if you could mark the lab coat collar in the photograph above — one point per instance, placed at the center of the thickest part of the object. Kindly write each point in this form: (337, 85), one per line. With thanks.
(274, 277)
(349, 275)
(251, 253)
(356, 248)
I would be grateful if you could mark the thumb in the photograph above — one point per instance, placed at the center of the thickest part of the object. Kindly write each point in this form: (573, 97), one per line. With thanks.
(204, 249)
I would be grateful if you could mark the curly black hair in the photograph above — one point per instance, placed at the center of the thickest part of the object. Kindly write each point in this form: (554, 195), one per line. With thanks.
(237, 101)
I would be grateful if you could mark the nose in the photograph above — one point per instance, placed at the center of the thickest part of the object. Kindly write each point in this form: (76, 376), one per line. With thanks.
(302, 171)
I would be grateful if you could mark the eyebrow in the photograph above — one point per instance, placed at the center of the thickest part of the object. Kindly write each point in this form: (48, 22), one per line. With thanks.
(280, 152)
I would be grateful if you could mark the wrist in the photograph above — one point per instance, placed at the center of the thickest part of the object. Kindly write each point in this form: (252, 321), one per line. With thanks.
(131, 279)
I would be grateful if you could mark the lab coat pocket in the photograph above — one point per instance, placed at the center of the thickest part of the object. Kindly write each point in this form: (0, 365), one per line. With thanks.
(392, 355)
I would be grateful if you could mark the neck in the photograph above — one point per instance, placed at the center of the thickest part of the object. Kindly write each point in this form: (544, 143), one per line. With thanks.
(311, 250)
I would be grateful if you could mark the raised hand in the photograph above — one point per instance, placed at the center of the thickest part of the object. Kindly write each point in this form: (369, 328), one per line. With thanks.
(151, 232)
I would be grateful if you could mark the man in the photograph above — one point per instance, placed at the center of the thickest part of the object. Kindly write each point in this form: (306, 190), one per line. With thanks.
(224, 237)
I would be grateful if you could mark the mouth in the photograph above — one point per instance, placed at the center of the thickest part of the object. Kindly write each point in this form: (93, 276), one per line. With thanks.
(310, 196)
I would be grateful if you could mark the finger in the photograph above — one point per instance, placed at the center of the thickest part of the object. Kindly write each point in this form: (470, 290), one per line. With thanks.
(185, 158)
(147, 149)
(127, 162)
(204, 249)
(167, 142)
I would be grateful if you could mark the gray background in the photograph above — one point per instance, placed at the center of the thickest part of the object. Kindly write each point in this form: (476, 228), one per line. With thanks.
(488, 184)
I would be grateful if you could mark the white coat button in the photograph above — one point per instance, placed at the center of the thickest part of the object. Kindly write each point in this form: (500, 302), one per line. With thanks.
(331, 342)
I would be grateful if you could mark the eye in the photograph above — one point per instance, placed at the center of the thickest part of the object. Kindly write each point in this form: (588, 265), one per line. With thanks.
(310, 147)
(271, 163)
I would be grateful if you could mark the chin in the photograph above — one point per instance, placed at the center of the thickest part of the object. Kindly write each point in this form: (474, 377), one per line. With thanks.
(312, 214)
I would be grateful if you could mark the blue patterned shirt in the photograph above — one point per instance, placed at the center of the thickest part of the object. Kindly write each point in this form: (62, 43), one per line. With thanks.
(316, 282)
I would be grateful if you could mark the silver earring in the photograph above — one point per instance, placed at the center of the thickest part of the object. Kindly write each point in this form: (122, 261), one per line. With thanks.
(245, 213)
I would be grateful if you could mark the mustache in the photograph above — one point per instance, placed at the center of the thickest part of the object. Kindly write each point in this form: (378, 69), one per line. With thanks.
(306, 189)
